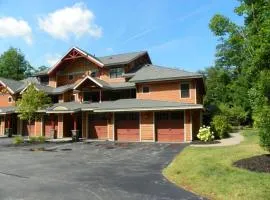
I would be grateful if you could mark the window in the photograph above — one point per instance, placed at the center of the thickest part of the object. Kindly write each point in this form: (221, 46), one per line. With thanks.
(116, 72)
(70, 77)
(145, 89)
(185, 90)
(9, 99)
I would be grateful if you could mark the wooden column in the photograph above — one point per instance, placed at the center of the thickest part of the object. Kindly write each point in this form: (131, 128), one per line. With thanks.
(100, 96)
(74, 122)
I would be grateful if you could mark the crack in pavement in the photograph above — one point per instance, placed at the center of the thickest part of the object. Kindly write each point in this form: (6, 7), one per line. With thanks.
(14, 175)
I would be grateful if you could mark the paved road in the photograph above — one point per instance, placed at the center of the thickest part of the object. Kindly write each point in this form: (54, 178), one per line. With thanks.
(96, 171)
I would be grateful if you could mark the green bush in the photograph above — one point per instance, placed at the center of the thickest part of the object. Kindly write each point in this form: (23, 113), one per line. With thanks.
(263, 123)
(39, 139)
(221, 126)
(18, 140)
(205, 134)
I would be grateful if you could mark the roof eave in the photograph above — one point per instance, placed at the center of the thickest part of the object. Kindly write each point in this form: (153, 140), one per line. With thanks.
(149, 109)
(166, 79)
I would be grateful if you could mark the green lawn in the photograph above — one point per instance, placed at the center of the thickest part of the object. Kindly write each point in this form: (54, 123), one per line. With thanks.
(209, 171)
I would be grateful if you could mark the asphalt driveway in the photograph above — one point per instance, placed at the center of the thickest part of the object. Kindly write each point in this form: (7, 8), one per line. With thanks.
(96, 171)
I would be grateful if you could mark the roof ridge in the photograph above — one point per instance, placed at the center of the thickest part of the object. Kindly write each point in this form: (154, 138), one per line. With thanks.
(142, 51)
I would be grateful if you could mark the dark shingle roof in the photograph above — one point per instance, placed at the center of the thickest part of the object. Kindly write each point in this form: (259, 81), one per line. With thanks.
(150, 73)
(120, 58)
(12, 84)
(6, 110)
(143, 104)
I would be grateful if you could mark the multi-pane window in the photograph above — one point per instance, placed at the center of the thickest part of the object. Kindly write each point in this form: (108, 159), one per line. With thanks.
(116, 72)
(185, 90)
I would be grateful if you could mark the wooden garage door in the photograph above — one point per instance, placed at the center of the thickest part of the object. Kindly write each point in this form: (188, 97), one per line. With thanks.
(127, 127)
(98, 126)
(169, 126)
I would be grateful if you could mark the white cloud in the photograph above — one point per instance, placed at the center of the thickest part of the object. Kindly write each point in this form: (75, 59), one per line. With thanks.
(76, 20)
(11, 27)
(52, 59)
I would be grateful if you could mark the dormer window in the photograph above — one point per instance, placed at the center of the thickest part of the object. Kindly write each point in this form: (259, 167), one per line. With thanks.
(116, 72)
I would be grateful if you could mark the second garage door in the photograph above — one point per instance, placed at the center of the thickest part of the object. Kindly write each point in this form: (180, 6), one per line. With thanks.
(169, 126)
(98, 126)
(127, 127)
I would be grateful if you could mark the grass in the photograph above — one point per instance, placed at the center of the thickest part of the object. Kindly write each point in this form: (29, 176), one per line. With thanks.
(209, 172)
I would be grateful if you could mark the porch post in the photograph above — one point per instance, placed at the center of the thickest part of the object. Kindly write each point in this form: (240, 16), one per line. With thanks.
(74, 122)
(9, 119)
(100, 96)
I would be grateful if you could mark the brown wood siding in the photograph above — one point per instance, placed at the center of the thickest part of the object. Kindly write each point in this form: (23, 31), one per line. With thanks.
(28, 129)
(166, 91)
(147, 126)
(188, 127)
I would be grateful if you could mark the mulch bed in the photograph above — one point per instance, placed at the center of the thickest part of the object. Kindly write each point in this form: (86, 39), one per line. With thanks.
(202, 142)
(259, 163)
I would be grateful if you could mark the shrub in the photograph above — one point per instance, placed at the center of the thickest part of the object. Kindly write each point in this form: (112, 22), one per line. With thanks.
(221, 126)
(39, 139)
(18, 140)
(205, 134)
(263, 123)
(33, 139)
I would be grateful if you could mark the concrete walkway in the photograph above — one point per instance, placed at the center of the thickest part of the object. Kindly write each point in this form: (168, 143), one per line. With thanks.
(235, 139)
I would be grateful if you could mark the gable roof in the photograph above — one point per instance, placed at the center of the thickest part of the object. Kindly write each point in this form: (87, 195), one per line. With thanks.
(106, 85)
(12, 85)
(150, 73)
(124, 58)
(84, 53)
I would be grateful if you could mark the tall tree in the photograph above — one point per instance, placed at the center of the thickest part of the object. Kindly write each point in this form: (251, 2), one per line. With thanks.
(14, 65)
(243, 52)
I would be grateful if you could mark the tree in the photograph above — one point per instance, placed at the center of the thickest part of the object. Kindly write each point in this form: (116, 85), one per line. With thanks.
(14, 65)
(243, 53)
(42, 68)
(32, 101)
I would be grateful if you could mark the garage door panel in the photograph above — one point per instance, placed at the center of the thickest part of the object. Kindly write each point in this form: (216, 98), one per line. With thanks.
(127, 129)
(169, 129)
(98, 128)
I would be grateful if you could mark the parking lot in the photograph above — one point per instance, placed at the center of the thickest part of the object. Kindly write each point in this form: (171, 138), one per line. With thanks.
(96, 170)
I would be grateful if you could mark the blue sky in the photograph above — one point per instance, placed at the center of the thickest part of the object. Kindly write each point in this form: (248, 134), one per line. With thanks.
(174, 32)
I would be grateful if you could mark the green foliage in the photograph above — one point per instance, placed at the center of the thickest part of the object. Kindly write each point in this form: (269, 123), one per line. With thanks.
(14, 66)
(39, 139)
(239, 83)
(221, 126)
(18, 140)
(236, 115)
(205, 134)
(31, 101)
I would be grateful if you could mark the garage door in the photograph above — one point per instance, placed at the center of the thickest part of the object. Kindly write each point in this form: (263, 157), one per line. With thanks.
(127, 127)
(98, 126)
(169, 126)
